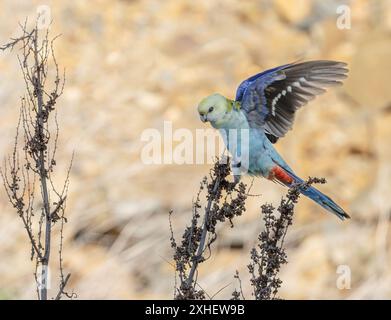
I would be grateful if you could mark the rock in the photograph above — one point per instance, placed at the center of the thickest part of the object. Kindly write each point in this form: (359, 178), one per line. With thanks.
(368, 81)
(125, 210)
(293, 11)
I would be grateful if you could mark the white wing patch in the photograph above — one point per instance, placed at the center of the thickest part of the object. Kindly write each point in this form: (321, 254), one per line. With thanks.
(297, 84)
(284, 91)
(274, 102)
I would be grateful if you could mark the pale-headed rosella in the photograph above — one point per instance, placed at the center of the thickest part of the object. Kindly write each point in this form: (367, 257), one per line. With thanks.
(265, 107)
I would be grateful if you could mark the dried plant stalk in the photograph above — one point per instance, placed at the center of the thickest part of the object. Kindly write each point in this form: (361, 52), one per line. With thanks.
(269, 255)
(225, 200)
(28, 172)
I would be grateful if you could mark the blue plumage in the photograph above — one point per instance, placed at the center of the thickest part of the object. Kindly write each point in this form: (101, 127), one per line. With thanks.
(246, 83)
(268, 102)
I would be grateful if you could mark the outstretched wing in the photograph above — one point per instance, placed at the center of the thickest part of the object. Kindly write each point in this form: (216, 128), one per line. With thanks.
(271, 98)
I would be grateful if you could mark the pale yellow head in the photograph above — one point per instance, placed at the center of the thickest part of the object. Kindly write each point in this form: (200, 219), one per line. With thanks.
(213, 108)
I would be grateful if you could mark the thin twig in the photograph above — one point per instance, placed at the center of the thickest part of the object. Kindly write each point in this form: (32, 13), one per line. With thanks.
(62, 287)
(204, 233)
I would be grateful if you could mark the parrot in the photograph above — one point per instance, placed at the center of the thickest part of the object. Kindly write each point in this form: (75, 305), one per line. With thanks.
(265, 106)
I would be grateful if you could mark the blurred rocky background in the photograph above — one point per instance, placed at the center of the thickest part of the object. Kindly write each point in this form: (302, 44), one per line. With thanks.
(131, 65)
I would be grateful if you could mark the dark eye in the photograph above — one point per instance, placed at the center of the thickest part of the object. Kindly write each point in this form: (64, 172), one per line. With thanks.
(211, 109)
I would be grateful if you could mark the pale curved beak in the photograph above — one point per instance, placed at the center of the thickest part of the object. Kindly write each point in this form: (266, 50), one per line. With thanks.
(203, 117)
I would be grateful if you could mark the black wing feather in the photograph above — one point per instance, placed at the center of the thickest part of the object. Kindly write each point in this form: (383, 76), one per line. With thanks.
(272, 98)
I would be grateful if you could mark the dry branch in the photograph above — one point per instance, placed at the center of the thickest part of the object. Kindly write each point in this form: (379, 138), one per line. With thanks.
(225, 200)
(22, 175)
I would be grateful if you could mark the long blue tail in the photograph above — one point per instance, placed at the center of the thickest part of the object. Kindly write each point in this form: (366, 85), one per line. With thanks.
(321, 199)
